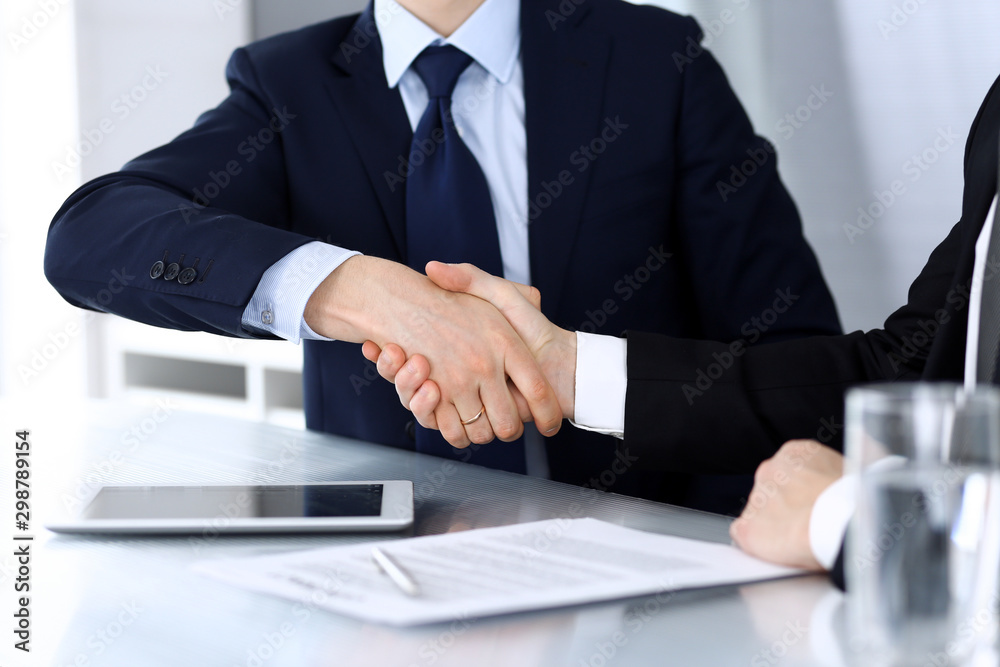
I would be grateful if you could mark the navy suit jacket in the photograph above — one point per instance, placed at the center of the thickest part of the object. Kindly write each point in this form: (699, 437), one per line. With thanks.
(653, 204)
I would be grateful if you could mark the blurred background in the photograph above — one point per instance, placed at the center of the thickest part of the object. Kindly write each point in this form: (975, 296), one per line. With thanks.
(860, 97)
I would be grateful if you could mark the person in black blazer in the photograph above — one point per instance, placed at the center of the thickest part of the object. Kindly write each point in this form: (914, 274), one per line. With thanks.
(650, 205)
(767, 395)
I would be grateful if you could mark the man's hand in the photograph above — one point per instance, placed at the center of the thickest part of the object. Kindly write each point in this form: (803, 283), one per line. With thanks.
(554, 348)
(417, 392)
(774, 525)
(472, 348)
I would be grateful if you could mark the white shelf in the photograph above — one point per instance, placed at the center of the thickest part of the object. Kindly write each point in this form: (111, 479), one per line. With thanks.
(250, 379)
(144, 339)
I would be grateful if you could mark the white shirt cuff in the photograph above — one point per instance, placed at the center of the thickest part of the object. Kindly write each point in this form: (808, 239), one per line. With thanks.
(278, 305)
(833, 511)
(830, 515)
(601, 381)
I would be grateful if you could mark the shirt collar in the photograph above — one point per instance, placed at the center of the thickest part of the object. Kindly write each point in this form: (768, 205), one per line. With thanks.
(492, 36)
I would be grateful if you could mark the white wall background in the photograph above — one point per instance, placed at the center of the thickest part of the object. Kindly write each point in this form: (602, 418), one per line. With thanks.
(892, 92)
(37, 119)
(77, 101)
(899, 72)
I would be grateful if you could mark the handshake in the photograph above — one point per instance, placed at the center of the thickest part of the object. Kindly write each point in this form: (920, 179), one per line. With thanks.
(523, 368)
(472, 356)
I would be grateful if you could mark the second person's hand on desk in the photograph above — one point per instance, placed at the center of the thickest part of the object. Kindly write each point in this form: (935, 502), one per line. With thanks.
(553, 347)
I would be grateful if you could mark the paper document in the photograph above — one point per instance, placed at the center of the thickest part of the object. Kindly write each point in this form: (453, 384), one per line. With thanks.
(491, 571)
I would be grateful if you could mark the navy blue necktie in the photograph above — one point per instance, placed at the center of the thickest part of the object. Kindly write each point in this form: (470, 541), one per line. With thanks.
(449, 218)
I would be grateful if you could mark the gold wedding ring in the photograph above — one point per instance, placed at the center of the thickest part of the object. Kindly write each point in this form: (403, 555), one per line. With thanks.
(466, 422)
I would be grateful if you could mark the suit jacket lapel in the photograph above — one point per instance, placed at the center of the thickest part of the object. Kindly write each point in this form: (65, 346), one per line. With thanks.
(375, 118)
(564, 60)
(946, 359)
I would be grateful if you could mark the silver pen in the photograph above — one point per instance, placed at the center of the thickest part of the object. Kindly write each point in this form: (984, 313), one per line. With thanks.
(403, 580)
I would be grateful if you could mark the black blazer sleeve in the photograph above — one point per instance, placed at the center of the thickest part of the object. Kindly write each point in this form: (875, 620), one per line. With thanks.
(837, 573)
(716, 407)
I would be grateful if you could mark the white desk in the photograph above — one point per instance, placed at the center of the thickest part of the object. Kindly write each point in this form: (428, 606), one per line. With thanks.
(134, 601)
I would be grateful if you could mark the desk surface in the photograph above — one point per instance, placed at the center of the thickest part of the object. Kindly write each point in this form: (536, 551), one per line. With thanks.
(134, 600)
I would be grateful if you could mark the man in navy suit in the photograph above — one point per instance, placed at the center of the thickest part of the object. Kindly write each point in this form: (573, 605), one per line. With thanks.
(625, 180)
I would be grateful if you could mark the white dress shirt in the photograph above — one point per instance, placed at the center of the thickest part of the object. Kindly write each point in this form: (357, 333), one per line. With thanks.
(488, 110)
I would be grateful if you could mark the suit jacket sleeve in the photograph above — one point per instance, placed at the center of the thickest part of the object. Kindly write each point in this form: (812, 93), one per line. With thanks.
(715, 407)
(702, 405)
(837, 573)
(215, 196)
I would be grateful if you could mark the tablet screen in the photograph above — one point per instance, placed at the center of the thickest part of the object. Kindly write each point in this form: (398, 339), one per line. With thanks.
(206, 502)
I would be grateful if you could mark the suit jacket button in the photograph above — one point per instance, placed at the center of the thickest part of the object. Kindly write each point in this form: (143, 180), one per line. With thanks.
(156, 270)
(187, 276)
(172, 270)
(411, 430)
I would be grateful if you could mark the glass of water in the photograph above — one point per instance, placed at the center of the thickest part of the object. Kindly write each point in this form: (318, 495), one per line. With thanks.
(923, 552)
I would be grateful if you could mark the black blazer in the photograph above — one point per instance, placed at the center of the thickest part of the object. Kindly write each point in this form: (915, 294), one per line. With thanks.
(678, 416)
(689, 401)
(634, 142)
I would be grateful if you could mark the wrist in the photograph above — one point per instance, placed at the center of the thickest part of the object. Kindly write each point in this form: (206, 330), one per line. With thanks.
(558, 362)
(324, 309)
(343, 305)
